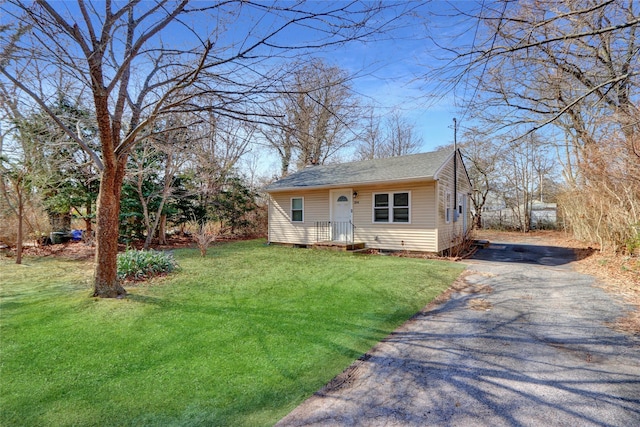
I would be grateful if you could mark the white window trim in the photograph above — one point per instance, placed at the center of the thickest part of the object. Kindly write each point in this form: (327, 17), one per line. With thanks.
(291, 210)
(390, 207)
(447, 206)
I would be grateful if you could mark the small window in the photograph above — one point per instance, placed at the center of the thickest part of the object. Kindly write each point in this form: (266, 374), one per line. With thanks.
(391, 207)
(400, 214)
(343, 199)
(401, 207)
(381, 200)
(297, 209)
(381, 208)
(460, 203)
(447, 207)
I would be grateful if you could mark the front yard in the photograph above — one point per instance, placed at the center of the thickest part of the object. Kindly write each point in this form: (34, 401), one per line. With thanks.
(238, 338)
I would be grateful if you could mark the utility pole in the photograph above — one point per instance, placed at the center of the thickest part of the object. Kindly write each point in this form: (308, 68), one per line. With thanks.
(455, 170)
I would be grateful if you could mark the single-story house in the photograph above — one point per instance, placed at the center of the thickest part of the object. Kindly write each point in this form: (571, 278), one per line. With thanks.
(411, 203)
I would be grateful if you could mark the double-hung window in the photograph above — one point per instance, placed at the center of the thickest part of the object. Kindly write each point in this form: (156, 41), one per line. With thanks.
(391, 207)
(297, 209)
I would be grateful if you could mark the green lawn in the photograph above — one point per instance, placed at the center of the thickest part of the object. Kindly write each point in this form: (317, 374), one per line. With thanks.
(238, 338)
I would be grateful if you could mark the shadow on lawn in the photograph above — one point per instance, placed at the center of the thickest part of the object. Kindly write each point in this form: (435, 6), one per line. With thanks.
(477, 386)
(540, 354)
(446, 374)
(304, 333)
(145, 299)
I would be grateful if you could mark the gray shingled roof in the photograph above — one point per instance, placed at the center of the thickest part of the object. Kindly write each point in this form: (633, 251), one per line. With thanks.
(402, 168)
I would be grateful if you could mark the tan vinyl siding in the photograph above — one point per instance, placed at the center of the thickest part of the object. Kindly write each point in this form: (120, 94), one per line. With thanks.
(418, 235)
(448, 233)
(427, 229)
(283, 230)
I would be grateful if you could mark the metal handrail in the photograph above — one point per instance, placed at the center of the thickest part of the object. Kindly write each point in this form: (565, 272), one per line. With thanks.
(336, 231)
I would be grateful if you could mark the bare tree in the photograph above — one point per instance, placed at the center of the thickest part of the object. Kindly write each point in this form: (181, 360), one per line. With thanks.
(371, 145)
(118, 52)
(162, 159)
(21, 162)
(569, 69)
(481, 155)
(525, 53)
(315, 118)
(13, 166)
(523, 167)
(387, 137)
(279, 137)
(15, 190)
(401, 138)
(217, 143)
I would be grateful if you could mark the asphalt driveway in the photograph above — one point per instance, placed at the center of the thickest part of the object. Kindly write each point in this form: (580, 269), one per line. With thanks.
(522, 341)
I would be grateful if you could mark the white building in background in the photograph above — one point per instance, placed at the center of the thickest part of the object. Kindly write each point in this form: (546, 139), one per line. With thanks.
(495, 214)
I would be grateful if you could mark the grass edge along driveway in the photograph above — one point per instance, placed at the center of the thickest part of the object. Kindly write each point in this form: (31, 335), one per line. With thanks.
(240, 337)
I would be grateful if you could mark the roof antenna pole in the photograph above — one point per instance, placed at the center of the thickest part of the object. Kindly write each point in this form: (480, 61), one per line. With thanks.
(455, 169)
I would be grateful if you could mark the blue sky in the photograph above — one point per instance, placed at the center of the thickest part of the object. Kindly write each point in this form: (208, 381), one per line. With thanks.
(390, 70)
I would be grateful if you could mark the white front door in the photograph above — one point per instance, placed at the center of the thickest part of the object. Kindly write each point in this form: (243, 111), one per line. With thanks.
(341, 227)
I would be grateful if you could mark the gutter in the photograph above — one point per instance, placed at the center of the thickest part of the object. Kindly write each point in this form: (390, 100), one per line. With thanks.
(350, 184)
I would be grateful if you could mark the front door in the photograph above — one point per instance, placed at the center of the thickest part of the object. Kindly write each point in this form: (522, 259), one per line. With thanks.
(341, 226)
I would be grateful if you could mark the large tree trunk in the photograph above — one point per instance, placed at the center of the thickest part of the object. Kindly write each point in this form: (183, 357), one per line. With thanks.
(477, 221)
(162, 230)
(106, 283)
